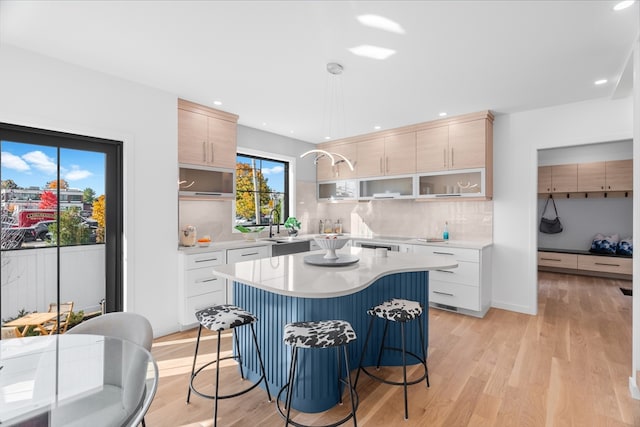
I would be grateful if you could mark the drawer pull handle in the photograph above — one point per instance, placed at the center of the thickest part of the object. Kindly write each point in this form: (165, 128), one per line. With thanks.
(443, 253)
(446, 271)
(443, 293)
(551, 259)
(252, 253)
(606, 263)
(207, 280)
(206, 260)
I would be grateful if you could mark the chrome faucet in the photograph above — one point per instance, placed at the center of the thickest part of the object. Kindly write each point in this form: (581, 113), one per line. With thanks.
(271, 224)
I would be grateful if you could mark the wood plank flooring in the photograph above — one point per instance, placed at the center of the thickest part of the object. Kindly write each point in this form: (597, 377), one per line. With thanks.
(568, 366)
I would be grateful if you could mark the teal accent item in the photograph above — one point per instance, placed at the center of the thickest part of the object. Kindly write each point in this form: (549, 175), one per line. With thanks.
(445, 234)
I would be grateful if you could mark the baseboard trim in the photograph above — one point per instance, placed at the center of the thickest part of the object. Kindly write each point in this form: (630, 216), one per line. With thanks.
(633, 388)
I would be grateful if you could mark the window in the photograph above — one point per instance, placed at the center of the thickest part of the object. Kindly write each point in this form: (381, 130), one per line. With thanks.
(262, 190)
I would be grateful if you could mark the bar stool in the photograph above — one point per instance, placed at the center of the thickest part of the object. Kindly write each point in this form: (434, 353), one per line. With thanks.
(219, 318)
(321, 334)
(401, 311)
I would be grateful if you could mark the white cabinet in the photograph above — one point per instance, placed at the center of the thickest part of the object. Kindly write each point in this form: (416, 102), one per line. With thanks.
(198, 288)
(465, 289)
(244, 254)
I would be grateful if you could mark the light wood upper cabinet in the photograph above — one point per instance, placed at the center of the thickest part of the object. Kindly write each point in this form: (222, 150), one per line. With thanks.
(619, 175)
(460, 145)
(564, 178)
(206, 136)
(544, 179)
(341, 170)
(594, 177)
(432, 146)
(591, 176)
(389, 155)
(370, 157)
(468, 144)
(558, 179)
(400, 154)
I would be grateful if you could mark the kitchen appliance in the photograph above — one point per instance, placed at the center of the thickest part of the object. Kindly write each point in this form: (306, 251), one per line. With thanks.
(205, 182)
(188, 236)
(375, 245)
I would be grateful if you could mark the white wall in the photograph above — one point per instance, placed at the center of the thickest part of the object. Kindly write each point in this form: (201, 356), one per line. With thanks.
(45, 93)
(517, 138)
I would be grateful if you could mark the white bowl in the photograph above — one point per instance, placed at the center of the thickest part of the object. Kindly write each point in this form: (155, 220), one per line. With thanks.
(331, 242)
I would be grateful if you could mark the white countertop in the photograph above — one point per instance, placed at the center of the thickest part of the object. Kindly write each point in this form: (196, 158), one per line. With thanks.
(290, 275)
(238, 244)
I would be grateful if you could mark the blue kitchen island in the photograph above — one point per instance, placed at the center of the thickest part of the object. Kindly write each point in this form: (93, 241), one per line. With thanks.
(285, 289)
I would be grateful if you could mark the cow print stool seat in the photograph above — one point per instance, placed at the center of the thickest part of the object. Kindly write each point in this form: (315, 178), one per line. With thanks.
(399, 311)
(321, 334)
(219, 318)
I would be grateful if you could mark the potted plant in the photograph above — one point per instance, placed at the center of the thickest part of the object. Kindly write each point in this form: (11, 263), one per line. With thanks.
(292, 225)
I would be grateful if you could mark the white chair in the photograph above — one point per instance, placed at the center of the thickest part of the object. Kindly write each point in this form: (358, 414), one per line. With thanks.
(127, 326)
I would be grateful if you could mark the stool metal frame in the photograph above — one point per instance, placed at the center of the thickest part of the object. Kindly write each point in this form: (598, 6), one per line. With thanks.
(347, 382)
(422, 360)
(218, 359)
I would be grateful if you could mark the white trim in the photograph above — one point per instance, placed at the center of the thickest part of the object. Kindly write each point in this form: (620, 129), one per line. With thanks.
(633, 389)
(292, 176)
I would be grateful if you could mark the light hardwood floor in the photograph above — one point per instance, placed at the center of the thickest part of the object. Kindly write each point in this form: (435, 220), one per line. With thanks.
(568, 366)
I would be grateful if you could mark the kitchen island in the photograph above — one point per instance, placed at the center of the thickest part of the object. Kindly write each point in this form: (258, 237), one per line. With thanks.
(285, 289)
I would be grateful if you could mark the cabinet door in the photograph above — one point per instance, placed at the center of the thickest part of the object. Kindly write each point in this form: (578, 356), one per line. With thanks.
(222, 143)
(467, 145)
(564, 178)
(619, 175)
(400, 154)
(192, 138)
(342, 169)
(432, 146)
(544, 179)
(370, 155)
(324, 170)
(591, 176)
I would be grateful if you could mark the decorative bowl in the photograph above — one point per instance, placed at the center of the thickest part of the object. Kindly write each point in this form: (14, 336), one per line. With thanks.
(249, 234)
(331, 242)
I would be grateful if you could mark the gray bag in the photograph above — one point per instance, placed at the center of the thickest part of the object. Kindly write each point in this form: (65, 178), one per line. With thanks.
(550, 226)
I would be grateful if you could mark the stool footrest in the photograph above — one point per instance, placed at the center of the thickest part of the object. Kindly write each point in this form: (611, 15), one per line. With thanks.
(227, 396)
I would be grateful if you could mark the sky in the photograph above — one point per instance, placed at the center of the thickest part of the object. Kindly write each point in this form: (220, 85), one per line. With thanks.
(34, 165)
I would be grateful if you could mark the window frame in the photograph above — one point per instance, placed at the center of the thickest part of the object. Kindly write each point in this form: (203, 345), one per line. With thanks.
(291, 200)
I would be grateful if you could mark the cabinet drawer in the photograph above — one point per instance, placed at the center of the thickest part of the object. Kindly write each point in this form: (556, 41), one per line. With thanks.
(246, 254)
(605, 264)
(467, 273)
(201, 280)
(205, 259)
(453, 294)
(552, 259)
(199, 302)
(459, 254)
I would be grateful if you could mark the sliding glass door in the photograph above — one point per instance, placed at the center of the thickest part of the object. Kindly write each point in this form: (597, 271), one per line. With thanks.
(61, 231)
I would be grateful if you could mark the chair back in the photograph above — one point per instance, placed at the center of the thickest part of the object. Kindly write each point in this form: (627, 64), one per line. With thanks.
(128, 326)
(60, 326)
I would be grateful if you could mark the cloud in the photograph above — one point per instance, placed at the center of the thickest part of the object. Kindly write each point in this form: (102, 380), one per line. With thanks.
(11, 161)
(272, 171)
(41, 161)
(77, 174)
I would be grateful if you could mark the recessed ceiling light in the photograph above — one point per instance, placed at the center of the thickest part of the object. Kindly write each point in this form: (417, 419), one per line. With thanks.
(264, 123)
(442, 114)
(374, 52)
(380, 23)
(376, 127)
(327, 137)
(217, 102)
(290, 131)
(623, 5)
(600, 82)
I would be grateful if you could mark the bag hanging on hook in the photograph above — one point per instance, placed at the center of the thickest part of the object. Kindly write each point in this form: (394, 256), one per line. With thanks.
(550, 226)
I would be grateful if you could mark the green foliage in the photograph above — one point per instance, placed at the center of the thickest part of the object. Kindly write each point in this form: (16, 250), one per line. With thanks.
(88, 196)
(72, 230)
(245, 191)
(292, 223)
(75, 318)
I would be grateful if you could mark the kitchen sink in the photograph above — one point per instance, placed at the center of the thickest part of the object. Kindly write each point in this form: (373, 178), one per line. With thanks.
(288, 245)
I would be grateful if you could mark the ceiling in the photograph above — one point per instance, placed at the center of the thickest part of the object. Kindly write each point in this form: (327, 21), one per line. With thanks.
(266, 61)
